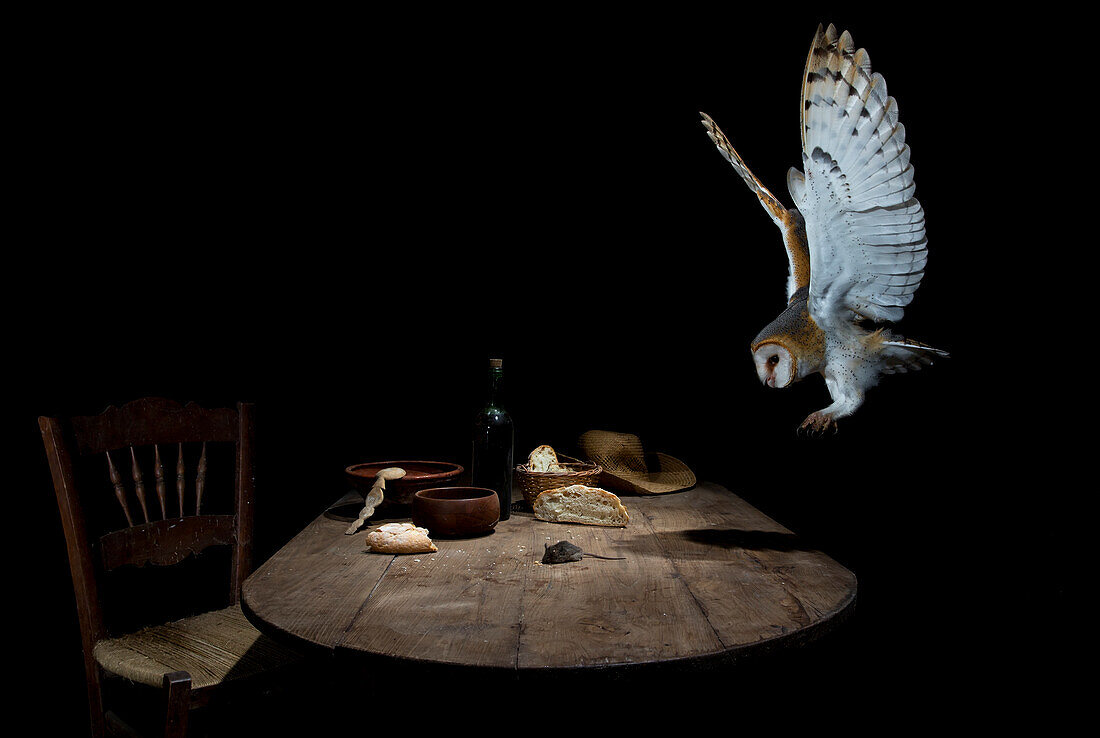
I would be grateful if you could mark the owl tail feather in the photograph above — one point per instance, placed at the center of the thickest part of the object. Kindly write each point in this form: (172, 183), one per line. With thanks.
(904, 355)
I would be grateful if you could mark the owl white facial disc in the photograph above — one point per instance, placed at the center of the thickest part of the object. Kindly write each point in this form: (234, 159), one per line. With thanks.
(774, 365)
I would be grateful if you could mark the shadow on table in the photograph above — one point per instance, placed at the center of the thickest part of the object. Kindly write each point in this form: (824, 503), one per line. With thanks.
(756, 540)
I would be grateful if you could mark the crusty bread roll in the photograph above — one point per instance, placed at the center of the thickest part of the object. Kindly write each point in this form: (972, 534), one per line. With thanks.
(580, 504)
(400, 538)
(541, 459)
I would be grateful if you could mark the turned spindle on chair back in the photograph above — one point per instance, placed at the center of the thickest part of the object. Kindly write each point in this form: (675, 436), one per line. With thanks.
(158, 473)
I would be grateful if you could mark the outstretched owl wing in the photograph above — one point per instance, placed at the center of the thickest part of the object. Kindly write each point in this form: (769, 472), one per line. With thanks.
(789, 221)
(867, 244)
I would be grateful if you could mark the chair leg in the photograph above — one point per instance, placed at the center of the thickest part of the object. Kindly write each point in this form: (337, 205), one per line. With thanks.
(178, 686)
(95, 701)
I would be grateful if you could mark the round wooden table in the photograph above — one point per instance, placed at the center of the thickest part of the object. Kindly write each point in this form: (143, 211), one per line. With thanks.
(704, 576)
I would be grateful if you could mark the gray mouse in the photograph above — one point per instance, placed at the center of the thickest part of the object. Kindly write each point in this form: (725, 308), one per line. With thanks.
(564, 551)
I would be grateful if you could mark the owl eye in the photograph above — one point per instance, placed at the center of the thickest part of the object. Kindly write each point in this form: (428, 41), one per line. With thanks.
(774, 359)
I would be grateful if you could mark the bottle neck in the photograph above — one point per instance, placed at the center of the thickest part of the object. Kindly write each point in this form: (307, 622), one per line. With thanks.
(495, 379)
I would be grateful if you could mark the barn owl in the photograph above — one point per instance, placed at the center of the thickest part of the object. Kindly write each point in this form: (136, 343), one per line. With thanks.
(855, 237)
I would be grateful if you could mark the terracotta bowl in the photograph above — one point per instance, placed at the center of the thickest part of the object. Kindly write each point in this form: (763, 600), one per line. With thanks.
(418, 475)
(456, 511)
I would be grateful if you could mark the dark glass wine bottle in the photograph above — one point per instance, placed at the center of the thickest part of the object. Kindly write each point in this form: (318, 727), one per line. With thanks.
(493, 438)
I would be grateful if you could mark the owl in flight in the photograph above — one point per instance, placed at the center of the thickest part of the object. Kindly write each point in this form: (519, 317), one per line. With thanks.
(855, 240)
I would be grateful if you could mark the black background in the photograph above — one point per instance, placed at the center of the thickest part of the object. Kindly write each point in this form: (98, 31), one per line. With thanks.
(342, 219)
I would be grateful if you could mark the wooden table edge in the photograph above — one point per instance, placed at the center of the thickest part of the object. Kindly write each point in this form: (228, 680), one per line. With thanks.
(713, 661)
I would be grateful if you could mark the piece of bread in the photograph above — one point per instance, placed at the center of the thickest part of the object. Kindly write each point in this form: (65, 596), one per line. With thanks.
(541, 459)
(578, 503)
(400, 538)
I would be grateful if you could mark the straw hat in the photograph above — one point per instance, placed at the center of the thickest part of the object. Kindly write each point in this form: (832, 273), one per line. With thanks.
(626, 466)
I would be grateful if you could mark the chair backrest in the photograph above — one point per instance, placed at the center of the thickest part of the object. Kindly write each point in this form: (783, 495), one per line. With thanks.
(162, 524)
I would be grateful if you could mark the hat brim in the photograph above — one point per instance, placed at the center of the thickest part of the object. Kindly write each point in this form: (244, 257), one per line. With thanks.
(668, 474)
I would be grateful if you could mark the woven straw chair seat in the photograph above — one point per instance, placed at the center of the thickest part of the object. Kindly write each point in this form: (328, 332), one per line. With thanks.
(213, 648)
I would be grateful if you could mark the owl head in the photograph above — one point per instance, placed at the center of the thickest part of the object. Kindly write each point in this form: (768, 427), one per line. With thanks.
(790, 347)
(776, 365)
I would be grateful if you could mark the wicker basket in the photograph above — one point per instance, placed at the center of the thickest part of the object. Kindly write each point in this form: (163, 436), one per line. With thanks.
(532, 483)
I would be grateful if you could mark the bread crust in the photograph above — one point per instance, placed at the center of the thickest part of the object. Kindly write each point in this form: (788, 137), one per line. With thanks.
(400, 538)
(578, 503)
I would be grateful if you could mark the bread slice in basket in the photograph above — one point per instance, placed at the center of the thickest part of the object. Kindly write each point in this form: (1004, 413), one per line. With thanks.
(545, 459)
(579, 503)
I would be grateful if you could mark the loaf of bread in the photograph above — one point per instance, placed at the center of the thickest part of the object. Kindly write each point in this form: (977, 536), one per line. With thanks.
(578, 503)
(541, 459)
(400, 538)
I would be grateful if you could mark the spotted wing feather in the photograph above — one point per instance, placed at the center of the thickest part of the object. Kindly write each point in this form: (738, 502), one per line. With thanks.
(864, 227)
(789, 221)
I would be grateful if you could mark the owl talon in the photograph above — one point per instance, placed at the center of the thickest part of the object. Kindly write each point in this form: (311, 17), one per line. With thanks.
(819, 421)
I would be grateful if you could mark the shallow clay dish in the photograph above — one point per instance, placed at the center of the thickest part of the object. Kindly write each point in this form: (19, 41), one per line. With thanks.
(418, 475)
(456, 511)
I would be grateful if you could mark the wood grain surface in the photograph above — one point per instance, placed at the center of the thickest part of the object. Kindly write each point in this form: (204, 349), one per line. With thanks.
(704, 576)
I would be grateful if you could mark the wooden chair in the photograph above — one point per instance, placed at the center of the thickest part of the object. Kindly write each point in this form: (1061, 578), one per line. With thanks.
(186, 657)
